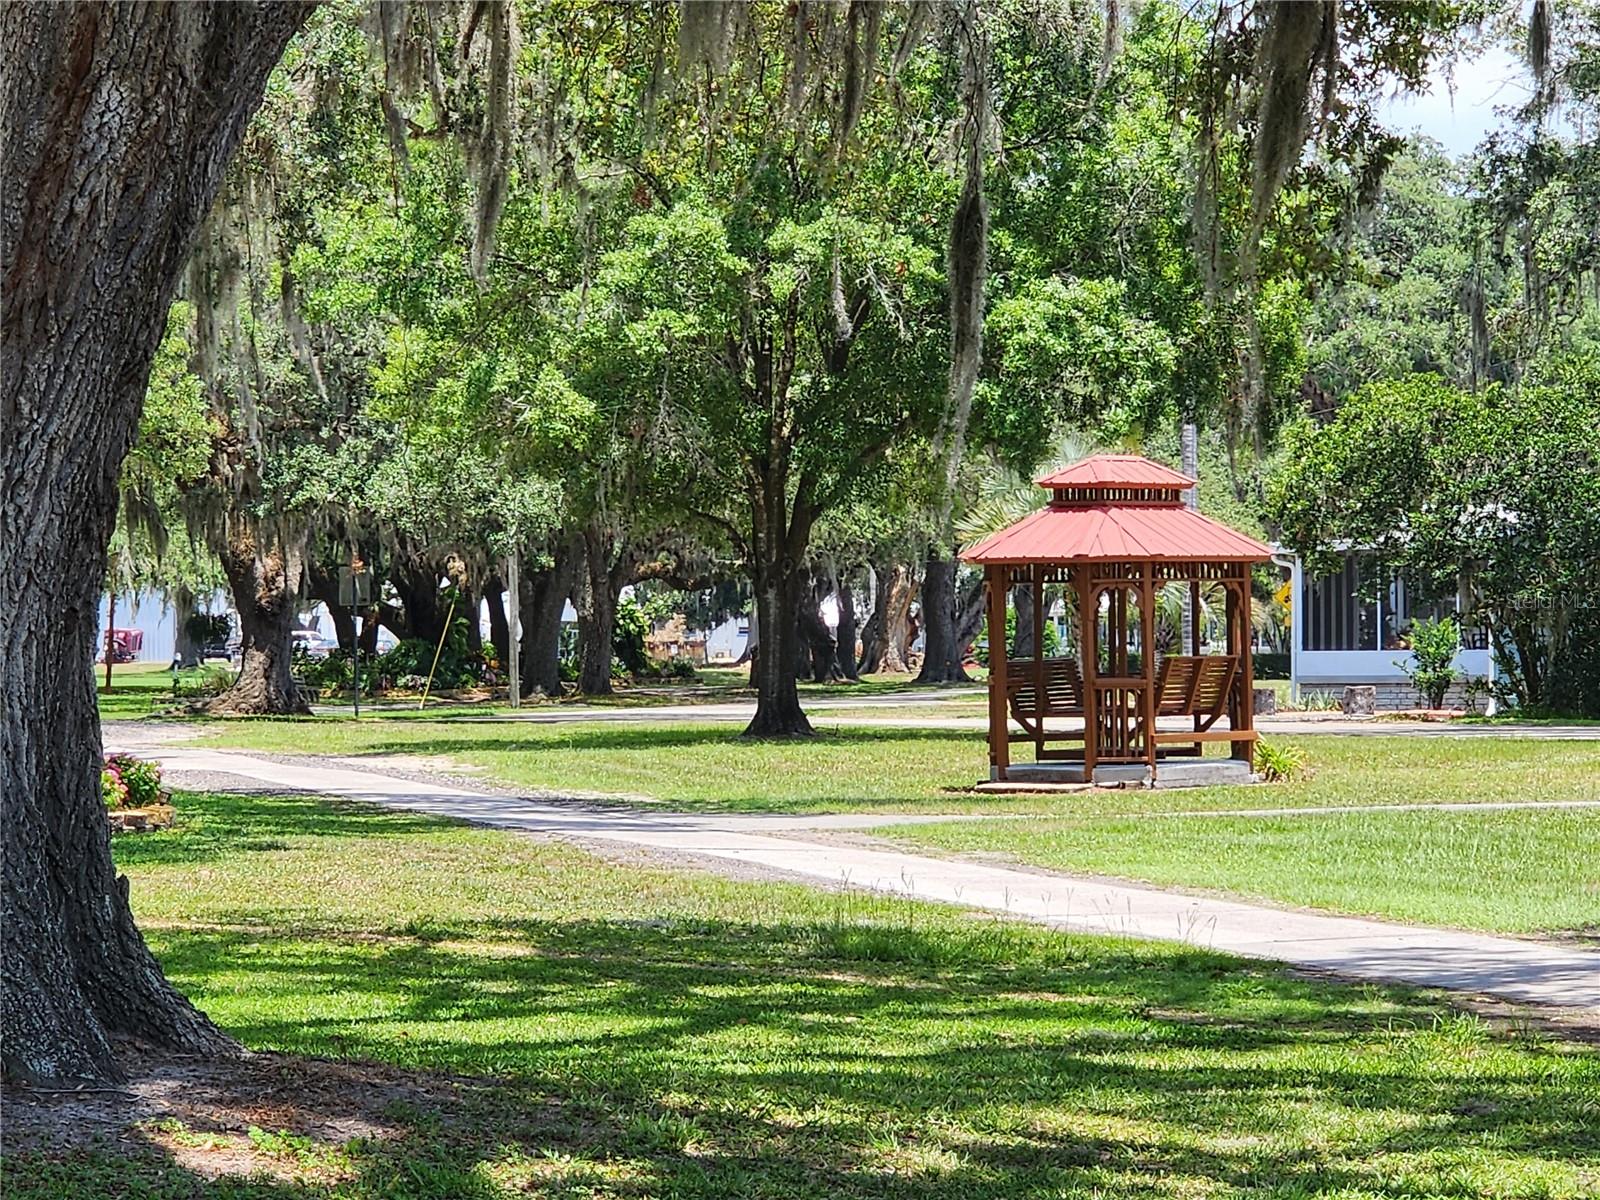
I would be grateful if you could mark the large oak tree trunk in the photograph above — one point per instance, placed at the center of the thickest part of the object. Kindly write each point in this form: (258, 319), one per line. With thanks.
(597, 615)
(818, 639)
(470, 607)
(184, 648)
(542, 606)
(886, 637)
(776, 658)
(845, 654)
(942, 617)
(1022, 636)
(265, 582)
(494, 595)
(344, 627)
(118, 121)
(323, 584)
(415, 575)
(778, 548)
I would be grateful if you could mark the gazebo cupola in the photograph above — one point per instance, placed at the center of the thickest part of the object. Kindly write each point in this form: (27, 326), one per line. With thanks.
(1114, 534)
(1115, 479)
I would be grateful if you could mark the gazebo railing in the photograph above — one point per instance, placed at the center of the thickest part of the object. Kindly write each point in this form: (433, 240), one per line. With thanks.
(1121, 717)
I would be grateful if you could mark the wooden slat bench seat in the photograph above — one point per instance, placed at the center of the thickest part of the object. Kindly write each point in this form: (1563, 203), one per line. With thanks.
(1198, 686)
(1061, 695)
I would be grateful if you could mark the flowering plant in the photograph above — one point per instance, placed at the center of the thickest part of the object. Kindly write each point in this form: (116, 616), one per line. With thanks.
(129, 782)
(113, 790)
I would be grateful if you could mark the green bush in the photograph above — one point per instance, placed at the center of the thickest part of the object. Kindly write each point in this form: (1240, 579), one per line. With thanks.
(1052, 638)
(1270, 665)
(627, 639)
(1575, 675)
(329, 673)
(459, 667)
(677, 668)
(1433, 649)
(210, 680)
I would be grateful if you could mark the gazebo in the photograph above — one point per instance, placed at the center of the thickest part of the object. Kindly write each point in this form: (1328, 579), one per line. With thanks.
(1114, 539)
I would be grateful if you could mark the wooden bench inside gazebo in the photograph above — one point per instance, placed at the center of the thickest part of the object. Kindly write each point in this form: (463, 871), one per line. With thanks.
(1114, 534)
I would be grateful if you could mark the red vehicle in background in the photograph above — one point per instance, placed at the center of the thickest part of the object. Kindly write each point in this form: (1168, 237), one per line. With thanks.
(122, 645)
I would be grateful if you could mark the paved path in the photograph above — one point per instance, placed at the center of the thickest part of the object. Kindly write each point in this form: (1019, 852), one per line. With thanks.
(1507, 967)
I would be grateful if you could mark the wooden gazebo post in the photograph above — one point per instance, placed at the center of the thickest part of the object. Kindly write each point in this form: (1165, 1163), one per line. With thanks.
(1147, 658)
(1038, 654)
(1089, 668)
(1243, 718)
(996, 580)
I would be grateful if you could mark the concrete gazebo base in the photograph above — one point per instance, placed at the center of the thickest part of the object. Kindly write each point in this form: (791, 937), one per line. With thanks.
(1173, 773)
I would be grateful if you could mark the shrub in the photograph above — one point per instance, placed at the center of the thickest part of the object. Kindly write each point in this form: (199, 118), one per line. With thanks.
(1052, 638)
(1280, 762)
(129, 782)
(1433, 650)
(628, 632)
(458, 666)
(1575, 675)
(1318, 701)
(1270, 665)
(678, 668)
(211, 680)
(328, 671)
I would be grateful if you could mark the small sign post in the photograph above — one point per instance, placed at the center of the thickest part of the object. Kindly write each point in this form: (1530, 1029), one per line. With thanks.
(355, 590)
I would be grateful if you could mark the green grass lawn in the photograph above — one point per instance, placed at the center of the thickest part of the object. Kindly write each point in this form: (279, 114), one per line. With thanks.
(639, 1032)
(145, 689)
(894, 769)
(1529, 871)
(883, 683)
(137, 689)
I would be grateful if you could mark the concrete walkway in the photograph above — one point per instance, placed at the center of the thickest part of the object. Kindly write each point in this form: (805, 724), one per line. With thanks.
(1506, 967)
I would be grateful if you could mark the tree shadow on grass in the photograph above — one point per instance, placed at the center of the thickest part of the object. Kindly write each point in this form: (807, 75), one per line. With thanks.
(794, 1058)
(728, 1060)
(890, 1051)
(219, 824)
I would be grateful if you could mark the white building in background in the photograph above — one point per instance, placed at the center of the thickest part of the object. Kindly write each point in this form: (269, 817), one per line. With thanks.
(726, 643)
(151, 615)
(1340, 639)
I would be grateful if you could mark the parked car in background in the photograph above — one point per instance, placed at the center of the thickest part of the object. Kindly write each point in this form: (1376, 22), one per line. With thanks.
(211, 651)
(124, 645)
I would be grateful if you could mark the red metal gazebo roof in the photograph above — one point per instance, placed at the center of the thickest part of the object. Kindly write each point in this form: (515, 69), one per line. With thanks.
(1099, 520)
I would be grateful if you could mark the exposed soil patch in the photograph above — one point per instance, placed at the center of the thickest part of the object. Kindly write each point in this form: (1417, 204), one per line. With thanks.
(220, 1117)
